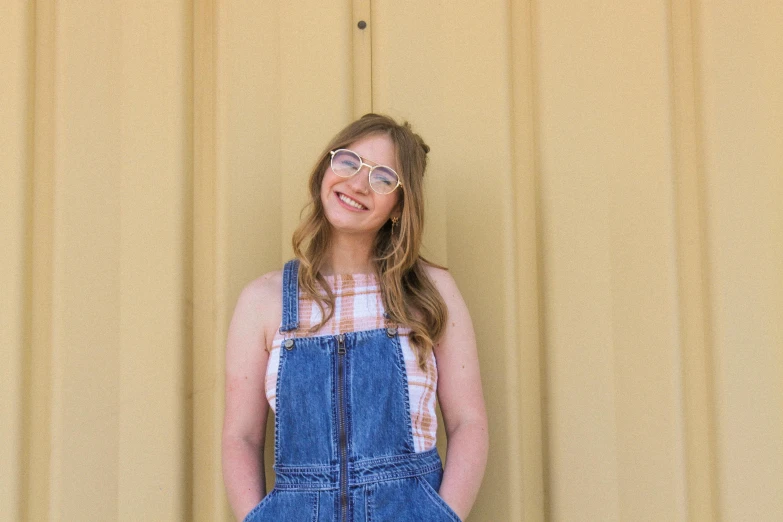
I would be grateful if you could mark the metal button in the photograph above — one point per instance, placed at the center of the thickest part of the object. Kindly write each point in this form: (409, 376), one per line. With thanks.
(391, 331)
(289, 344)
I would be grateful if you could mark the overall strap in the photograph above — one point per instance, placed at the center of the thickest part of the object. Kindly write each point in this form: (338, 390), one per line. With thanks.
(290, 296)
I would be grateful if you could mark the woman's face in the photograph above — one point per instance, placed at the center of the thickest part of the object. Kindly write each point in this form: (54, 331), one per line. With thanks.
(351, 206)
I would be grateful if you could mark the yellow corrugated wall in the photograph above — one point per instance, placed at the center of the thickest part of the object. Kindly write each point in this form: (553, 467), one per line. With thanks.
(606, 186)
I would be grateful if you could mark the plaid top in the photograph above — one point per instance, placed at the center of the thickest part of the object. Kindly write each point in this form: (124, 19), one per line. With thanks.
(359, 306)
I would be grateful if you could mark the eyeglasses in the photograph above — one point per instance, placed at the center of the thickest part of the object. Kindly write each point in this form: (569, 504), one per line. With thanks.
(346, 163)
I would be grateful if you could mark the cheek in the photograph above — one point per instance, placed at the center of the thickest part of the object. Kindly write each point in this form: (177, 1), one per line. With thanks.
(393, 202)
(324, 192)
(326, 185)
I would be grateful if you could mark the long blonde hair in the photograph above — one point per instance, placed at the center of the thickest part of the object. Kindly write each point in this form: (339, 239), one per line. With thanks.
(409, 296)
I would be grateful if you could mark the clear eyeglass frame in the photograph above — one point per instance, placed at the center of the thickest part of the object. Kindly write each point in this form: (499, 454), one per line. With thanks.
(371, 168)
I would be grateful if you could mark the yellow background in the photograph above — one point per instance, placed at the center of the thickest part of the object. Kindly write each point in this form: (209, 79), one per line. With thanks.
(606, 186)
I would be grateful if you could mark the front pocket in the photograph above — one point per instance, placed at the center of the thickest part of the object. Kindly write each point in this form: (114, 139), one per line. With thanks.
(286, 505)
(437, 500)
(255, 510)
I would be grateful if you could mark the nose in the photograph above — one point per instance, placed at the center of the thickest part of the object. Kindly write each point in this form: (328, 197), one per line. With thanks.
(361, 180)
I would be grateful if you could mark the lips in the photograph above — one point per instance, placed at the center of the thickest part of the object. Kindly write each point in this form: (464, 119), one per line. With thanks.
(349, 202)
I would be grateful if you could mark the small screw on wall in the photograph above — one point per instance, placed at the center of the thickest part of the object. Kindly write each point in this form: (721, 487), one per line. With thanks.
(362, 24)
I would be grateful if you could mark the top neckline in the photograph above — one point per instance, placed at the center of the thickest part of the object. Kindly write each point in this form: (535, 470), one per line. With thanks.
(339, 284)
(333, 278)
(352, 275)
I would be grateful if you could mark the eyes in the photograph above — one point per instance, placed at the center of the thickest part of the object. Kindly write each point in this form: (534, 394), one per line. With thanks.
(349, 164)
(386, 180)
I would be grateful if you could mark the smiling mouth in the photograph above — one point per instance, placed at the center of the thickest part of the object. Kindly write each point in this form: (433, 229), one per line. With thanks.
(350, 202)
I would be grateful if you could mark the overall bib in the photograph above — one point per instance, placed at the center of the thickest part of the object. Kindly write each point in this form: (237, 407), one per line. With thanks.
(344, 450)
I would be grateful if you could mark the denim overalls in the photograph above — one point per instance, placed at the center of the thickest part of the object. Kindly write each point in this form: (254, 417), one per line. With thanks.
(343, 445)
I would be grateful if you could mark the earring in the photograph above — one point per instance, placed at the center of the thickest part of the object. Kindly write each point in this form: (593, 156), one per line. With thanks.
(394, 221)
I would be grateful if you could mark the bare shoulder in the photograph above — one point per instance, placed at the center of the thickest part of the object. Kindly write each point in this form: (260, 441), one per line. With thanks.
(265, 287)
(444, 283)
(458, 333)
(261, 302)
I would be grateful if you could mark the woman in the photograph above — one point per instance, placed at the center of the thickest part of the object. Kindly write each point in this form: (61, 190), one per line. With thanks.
(348, 344)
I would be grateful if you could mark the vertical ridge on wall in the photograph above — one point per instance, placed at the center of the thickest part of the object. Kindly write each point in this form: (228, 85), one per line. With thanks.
(87, 264)
(739, 78)
(698, 406)
(362, 57)
(540, 280)
(153, 125)
(207, 503)
(573, 201)
(35, 497)
(190, 501)
(15, 63)
(527, 454)
(192, 476)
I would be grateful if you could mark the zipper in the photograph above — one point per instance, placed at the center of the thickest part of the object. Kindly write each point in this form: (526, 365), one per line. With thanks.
(341, 422)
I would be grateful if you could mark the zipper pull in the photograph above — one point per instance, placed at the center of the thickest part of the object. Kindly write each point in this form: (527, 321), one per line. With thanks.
(341, 344)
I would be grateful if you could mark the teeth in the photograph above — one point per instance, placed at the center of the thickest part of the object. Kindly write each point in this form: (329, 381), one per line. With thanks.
(349, 201)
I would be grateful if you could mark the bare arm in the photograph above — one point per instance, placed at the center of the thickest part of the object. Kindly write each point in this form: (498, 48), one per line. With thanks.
(244, 423)
(461, 401)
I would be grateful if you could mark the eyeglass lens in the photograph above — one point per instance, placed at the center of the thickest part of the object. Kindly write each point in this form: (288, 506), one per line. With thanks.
(346, 163)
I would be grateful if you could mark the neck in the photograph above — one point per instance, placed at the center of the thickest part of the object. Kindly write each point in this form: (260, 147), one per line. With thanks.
(349, 255)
